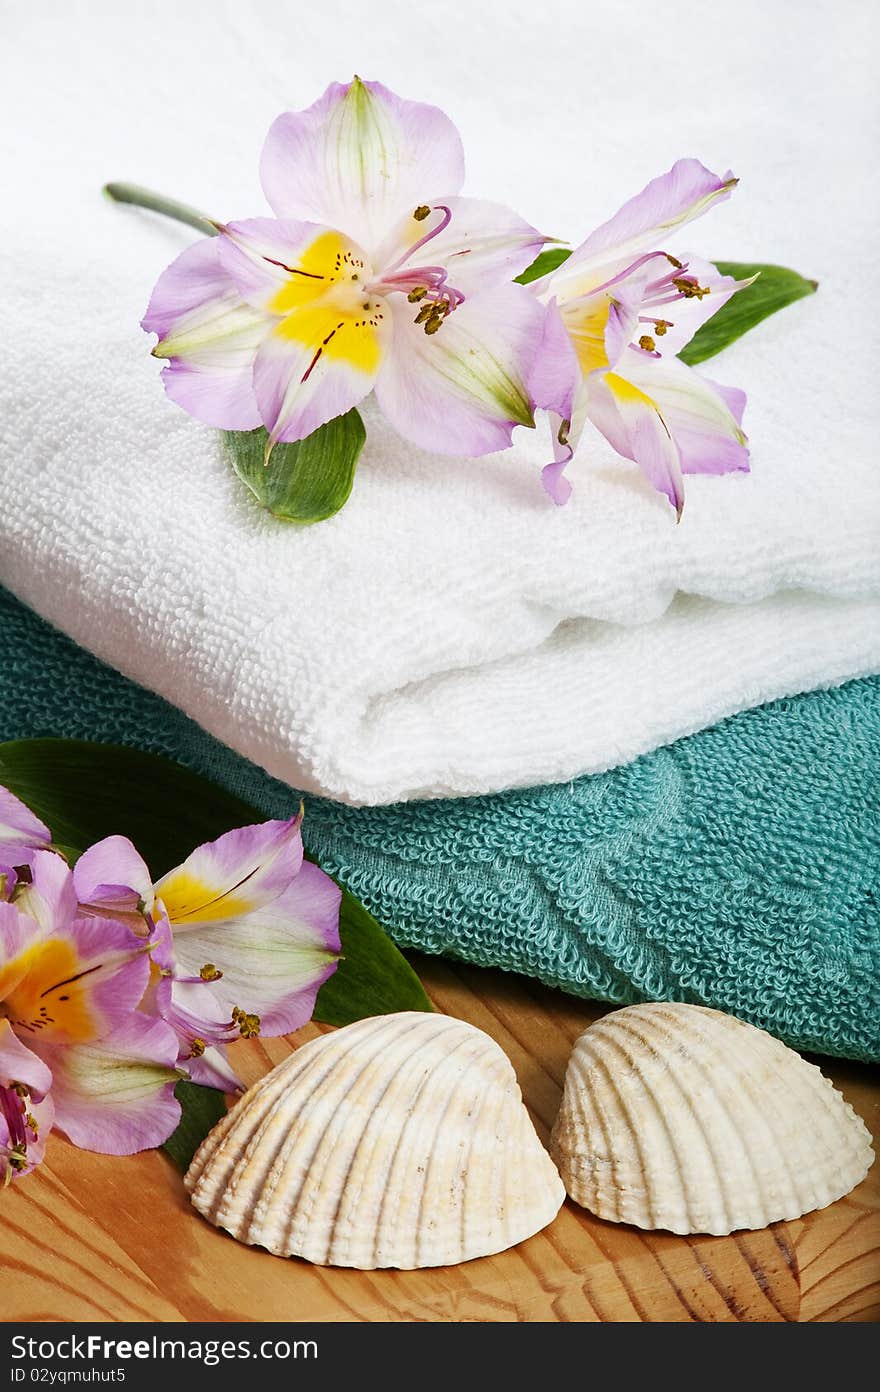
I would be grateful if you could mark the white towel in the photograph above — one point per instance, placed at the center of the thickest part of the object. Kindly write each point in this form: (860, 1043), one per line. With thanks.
(451, 631)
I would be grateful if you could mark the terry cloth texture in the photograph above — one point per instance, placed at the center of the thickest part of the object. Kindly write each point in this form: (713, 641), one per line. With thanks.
(450, 632)
(738, 868)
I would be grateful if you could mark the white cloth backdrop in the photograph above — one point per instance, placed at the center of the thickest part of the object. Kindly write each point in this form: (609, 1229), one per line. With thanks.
(450, 631)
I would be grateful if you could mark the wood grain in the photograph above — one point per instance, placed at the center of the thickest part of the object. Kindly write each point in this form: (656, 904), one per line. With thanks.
(90, 1237)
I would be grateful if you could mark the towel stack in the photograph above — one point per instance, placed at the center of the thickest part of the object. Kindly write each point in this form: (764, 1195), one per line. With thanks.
(450, 633)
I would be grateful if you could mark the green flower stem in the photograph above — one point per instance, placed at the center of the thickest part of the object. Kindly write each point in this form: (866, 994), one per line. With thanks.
(158, 203)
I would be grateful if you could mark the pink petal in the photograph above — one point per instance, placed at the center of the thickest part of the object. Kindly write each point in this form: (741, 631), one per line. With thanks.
(484, 244)
(301, 382)
(112, 877)
(359, 159)
(703, 419)
(24, 1129)
(239, 872)
(734, 398)
(198, 1015)
(556, 385)
(116, 1095)
(78, 982)
(632, 423)
(213, 1070)
(50, 897)
(18, 932)
(688, 315)
(272, 960)
(210, 336)
(555, 377)
(262, 256)
(19, 1065)
(647, 221)
(20, 831)
(464, 389)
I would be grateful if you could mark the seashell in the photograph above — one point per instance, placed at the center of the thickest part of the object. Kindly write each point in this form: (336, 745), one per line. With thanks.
(683, 1118)
(401, 1140)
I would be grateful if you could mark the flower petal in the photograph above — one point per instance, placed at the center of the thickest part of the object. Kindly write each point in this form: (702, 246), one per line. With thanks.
(282, 266)
(17, 933)
(77, 984)
(213, 1070)
(483, 244)
(464, 389)
(688, 315)
(325, 334)
(272, 960)
(644, 223)
(24, 1130)
(704, 419)
(50, 897)
(197, 1015)
(555, 383)
(211, 336)
(19, 1065)
(317, 364)
(20, 831)
(239, 872)
(631, 421)
(359, 159)
(116, 1095)
(556, 373)
(112, 878)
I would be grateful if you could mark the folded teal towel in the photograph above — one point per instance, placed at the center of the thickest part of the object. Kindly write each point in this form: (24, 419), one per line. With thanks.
(739, 868)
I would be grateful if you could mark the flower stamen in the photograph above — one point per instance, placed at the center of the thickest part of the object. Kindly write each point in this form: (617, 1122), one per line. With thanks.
(248, 1025)
(421, 283)
(690, 287)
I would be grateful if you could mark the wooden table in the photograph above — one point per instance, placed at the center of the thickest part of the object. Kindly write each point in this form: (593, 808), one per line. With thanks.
(89, 1237)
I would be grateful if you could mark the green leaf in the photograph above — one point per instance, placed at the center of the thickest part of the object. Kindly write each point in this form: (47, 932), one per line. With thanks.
(201, 1108)
(372, 978)
(84, 792)
(543, 263)
(303, 482)
(775, 288)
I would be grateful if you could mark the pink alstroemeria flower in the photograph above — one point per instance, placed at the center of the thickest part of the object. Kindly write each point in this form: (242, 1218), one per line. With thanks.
(246, 932)
(618, 311)
(74, 1050)
(376, 275)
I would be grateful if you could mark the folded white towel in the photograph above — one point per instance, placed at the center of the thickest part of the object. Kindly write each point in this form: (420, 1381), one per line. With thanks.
(450, 631)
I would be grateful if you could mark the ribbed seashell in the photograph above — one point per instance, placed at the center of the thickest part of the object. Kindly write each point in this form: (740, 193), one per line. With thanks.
(401, 1140)
(686, 1119)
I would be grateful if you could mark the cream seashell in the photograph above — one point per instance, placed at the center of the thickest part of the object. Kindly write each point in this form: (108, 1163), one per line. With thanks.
(686, 1119)
(401, 1140)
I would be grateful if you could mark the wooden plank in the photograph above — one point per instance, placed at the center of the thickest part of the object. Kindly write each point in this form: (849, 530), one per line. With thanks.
(90, 1237)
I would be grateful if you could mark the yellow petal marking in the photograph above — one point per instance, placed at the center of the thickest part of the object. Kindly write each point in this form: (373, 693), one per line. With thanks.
(338, 335)
(51, 992)
(330, 260)
(326, 309)
(586, 327)
(627, 393)
(188, 899)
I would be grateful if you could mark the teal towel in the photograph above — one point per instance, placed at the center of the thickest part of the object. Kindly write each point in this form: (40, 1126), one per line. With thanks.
(738, 868)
